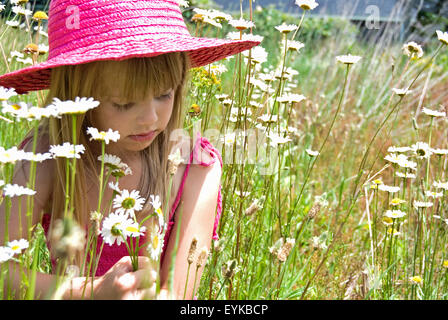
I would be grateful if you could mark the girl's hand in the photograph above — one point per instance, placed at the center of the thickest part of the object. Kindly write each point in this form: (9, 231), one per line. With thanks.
(122, 283)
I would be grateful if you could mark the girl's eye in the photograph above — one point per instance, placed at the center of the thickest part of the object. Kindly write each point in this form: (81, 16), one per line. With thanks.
(166, 96)
(123, 106)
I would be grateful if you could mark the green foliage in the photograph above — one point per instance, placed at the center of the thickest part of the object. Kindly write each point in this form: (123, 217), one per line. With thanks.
(39, 243)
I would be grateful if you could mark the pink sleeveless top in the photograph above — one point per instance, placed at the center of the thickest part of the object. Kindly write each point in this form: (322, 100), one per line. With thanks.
(112, 254)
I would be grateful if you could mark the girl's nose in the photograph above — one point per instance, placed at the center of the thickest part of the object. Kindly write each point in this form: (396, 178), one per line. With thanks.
(147, 115)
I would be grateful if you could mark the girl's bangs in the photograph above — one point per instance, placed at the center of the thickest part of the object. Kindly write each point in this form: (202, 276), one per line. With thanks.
(137, 78)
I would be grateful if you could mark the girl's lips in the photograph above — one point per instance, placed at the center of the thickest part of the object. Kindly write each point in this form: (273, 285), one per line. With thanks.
(143, 137)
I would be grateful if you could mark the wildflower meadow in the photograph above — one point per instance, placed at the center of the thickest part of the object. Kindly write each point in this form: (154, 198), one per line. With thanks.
(334, 150)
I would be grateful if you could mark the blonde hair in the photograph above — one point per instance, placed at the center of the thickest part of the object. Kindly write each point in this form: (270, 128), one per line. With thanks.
(138, 77)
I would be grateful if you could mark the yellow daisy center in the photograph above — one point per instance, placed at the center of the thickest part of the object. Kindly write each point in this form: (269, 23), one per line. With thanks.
(128, 203)
(155, 242)
(131, 229)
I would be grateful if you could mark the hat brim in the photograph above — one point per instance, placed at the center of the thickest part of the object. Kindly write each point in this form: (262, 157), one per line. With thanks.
(202, 51)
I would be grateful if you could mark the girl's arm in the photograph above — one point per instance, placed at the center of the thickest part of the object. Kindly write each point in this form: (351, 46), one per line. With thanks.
(198, 207)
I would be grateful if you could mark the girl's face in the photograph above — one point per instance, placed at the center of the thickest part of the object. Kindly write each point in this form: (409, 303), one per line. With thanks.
(138, 122)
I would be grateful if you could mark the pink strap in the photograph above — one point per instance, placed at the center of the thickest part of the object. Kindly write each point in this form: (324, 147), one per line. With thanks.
(207, 146)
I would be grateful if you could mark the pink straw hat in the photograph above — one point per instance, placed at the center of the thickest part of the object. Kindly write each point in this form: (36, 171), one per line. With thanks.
(82, 31)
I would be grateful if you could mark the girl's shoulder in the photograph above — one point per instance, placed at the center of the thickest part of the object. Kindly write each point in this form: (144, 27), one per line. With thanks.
(198, 151)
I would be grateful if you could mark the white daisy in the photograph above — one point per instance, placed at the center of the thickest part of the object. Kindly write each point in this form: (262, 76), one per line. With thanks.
(433, 113)
(285, 74)
(276, 139)
(6, 254)
(124, 170)
(440, 152)
(348, 59)
(312, 153)
(422, 150)
(105, 136)
(155, 245)
(245, 36)
(408, 164)
(440, 185)
(183, 3)
(38, 157)
(395, 158)
(293, 45)
(19, 110)
(422, 204)
(396, 202)
(219, 15)
(132, 229)
(284, 28)
(36, 113)
(241, 24)
(432, 194)
(21, 11)
(111, 161)
(401, 92)
(229, 138)
(128, 202)
(114, 186)
(307, 4)
(267, 77)
(157, 205)
(25, 61)
(67, 150)
(217, 69)
(443, 36)
(390, 189)
(11, 155)
(14, 190)
(16, 53)
(291, 98)
(268, 118)
(113, 228)
(13, 23)
(413, 50)
(395, 214)
(221, 97)
(258, 55)
(18, 245)
(407, 175)
(6, 93)
(394, 149)
(259, 84)
(79, 106)
(2, 7)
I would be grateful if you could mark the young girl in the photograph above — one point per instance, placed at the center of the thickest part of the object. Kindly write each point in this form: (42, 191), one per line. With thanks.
(133, 58)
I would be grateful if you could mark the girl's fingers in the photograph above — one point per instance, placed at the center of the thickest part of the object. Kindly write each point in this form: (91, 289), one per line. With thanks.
(145, 278)
(144, 262)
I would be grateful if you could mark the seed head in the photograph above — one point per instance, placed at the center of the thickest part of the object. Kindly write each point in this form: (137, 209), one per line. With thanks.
(192, 250)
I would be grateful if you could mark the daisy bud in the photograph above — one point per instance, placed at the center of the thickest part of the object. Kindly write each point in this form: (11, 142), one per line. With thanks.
(192, 250)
